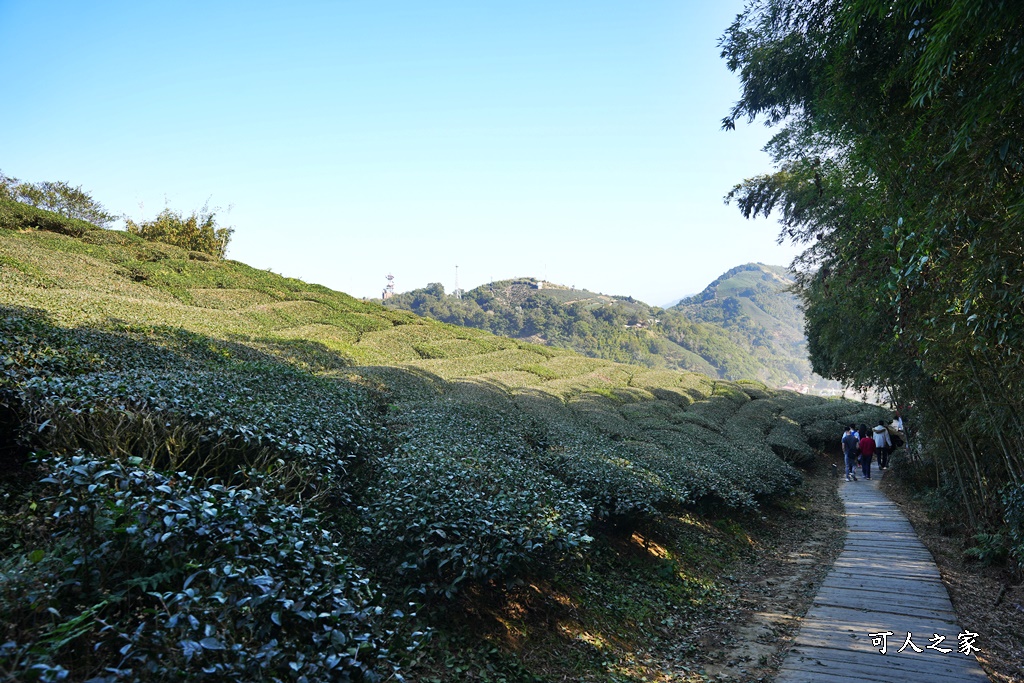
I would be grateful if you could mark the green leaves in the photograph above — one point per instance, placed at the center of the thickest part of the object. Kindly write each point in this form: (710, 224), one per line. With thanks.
(197, 232)
(57, 197)
(899, 164)
(267, 586)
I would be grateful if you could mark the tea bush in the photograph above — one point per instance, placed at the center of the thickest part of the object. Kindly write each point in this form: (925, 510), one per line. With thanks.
(185, 405)
(632, 460)
(202, 425)
(594, 465)
(824, 420)
(788, 442)
(461, 500)
(204, 421)
(146, 577)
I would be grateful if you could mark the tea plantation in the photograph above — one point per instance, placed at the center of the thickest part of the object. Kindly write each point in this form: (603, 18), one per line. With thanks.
(211, 472)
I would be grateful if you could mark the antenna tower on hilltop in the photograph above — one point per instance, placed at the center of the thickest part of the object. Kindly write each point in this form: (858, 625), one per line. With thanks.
(389, 291)
(457, 293)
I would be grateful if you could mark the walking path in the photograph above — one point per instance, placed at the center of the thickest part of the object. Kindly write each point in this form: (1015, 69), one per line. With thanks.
(884, 580)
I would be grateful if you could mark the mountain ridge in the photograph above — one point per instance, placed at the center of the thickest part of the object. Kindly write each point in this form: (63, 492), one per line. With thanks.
(754, 330)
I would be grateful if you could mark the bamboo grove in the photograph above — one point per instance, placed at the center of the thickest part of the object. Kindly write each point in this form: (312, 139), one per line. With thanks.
(898, 164)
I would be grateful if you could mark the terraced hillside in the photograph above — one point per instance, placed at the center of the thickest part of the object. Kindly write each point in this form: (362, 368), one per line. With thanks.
(745, 325)
(215, 470)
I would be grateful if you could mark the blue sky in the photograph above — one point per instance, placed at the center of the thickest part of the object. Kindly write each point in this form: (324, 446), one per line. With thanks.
(575, 141)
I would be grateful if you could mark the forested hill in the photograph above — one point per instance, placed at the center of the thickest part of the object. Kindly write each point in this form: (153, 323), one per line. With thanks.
(754, 304)
(745, 325)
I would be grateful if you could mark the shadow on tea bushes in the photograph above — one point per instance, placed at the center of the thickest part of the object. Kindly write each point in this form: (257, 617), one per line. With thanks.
(181, 402)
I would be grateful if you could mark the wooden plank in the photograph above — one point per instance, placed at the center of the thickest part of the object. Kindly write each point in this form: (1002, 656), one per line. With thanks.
(884, 580)
(882, 612)
(886, 669)
(886, 590)
(895, 667)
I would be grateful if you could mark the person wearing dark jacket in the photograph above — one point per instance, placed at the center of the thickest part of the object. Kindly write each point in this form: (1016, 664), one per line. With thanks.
(850, 453)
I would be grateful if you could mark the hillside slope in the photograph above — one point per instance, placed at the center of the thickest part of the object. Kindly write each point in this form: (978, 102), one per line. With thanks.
(745, 325)
(754, 305)
(362, 491)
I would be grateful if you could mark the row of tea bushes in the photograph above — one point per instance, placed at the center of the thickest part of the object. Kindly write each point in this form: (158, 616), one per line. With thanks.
(823, 421)
(179, 478)
(139, 576)
(462, 499)
(180, 402)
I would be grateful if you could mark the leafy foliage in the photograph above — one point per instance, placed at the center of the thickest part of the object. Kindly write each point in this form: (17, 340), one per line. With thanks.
(58, 197)
(899, 164)
(147, 577)
(15, 215)
(185, 404)
(461, 499)
(196, 232)
(453, 466)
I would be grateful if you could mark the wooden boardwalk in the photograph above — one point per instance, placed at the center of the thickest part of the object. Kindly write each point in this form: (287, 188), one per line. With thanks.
(884, 580)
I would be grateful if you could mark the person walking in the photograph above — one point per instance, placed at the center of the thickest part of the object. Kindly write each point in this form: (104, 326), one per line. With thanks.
(883, 444)
(850, 453)
(867, 450)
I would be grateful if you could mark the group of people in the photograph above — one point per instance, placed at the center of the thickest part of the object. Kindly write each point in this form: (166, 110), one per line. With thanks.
(860, 446)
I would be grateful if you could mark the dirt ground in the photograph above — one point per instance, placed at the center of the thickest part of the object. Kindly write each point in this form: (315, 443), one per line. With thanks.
(987, 600)
(778, 585)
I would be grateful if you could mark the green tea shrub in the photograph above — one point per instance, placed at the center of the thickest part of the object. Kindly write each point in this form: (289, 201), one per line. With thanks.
(824, 420)
(150, 578)
(824, 434)
(662, 457)
(755, 390)
(752, 421)
(592, 462)
(789, 442)
(614, 486)
(461, 500)
(207, 422)
(180, 402)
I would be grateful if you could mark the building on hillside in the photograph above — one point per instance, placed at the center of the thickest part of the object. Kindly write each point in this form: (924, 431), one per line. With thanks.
(389, 290)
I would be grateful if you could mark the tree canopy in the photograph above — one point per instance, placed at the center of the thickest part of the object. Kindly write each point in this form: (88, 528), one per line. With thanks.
(56, 196)
(198, 231)
(898, 163)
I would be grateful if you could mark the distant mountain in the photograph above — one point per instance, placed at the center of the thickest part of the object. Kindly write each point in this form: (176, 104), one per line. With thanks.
(756, 307)
(672, 303)
(745, 325)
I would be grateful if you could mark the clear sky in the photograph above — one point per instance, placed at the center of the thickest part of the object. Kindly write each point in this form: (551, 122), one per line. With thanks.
(576, 141)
